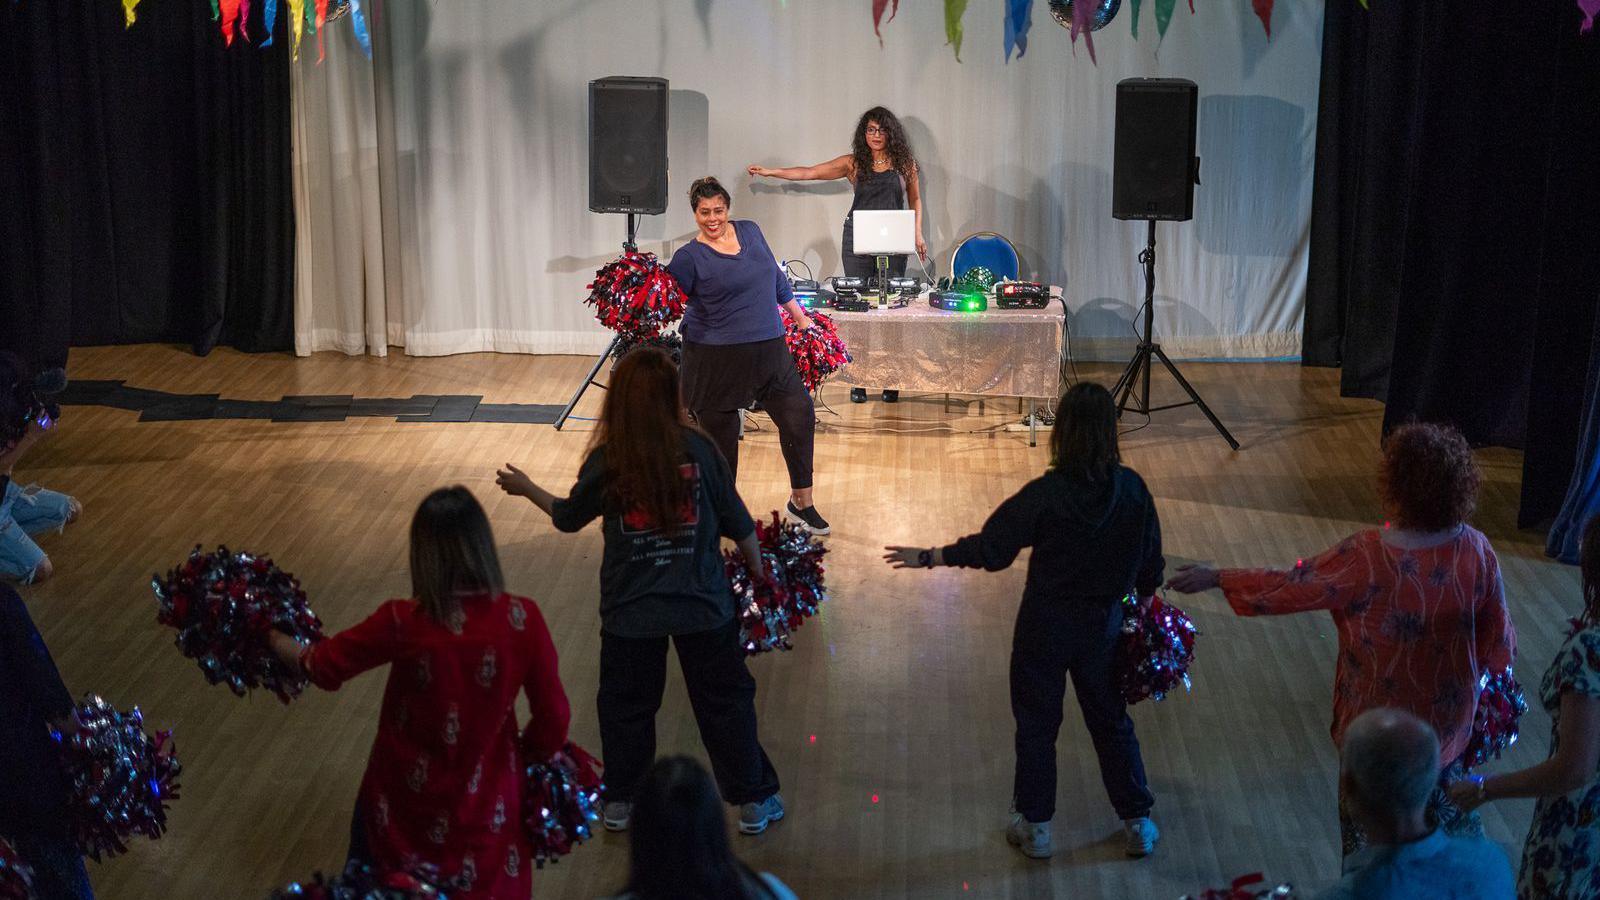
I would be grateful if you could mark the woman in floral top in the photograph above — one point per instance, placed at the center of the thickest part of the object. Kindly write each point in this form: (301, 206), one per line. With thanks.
(1561, 858)
(1418, 605)
(443, 784)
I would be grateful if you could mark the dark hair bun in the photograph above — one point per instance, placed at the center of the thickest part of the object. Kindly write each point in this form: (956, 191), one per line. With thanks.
(706, 188)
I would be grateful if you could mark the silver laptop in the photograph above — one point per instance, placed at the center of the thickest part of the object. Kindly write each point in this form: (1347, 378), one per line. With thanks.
(884, 232)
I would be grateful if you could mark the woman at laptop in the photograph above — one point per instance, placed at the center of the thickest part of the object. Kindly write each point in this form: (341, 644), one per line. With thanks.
(883, 171)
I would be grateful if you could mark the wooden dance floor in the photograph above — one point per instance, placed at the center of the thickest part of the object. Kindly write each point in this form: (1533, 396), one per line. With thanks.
(889, 723)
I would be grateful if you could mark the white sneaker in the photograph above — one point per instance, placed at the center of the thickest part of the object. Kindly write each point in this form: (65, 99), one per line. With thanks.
(1032, 838)
(617, 815)
(1142, 836)
(753, 817)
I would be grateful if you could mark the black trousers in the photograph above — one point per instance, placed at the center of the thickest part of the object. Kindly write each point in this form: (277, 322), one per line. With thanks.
(721, 380)
(633, 675)
(1051, 640)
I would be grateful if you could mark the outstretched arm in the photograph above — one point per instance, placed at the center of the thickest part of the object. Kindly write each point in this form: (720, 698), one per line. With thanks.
(914, 200)
(838, 167)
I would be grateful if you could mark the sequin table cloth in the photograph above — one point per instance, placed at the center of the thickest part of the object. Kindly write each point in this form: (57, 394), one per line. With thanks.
(998, 352)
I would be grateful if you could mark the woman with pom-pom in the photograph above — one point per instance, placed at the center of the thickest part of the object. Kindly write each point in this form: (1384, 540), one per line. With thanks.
(734, 351)
(444, 783)
(1561, 856)
(1095, 536)
(1418, 604)
(666, 500)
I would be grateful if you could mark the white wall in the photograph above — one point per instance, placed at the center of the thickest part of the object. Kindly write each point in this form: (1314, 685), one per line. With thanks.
(489, 102)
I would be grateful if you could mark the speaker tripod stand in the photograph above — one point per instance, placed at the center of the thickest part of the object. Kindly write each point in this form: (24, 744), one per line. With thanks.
(1148, 352)
(628, 246)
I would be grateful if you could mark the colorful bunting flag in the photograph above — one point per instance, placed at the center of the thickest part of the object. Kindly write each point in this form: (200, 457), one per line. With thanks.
(297, 24)
(878, 6)
(244, 19)
(359, 23)
(230, 20)
(953, 11)
(127, 11)
(322, 19)
(269, 20)
(1590, 9)
(1163, 17)
(1133, 11)
(1263, 12)
(1019, 18)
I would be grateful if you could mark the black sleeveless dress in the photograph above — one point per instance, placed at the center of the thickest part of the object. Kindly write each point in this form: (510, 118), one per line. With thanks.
(874, 190)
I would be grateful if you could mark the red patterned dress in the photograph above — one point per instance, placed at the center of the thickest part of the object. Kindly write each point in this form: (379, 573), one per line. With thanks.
(1417, 625)
(442, 785)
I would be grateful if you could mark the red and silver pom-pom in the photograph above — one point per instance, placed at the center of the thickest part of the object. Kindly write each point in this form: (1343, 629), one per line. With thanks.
(16, 876)
(1494, 725)
(1156, 651)
(635, 296)
(561, 802)
(224, 605)
(119, 777)
(818, 351)
(772, 608)
(1246, 887)
(360, 882)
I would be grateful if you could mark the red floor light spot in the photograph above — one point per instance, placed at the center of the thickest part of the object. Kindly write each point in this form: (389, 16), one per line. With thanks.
(813, 739)
(874, 798)
(964, 886)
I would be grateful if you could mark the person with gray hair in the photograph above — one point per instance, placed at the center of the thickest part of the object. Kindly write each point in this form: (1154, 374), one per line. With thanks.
(1389, 769)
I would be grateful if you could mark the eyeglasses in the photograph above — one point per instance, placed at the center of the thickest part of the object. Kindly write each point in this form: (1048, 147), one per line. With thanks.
(873, 129)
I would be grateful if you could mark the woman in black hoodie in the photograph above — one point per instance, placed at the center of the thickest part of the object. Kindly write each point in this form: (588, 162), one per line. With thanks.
(1092, 525)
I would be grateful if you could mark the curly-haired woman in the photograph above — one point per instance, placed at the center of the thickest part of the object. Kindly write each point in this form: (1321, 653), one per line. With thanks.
(1418, 605)
(883, 171)
(1561, 857)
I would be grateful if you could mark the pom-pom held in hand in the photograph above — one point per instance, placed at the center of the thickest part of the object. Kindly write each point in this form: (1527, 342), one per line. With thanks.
(771, 608)
(1494, 725)
(818, 351)
(360, 882)
(1156, 651)
(16, 876)
(119, 777)
(224, 605)
(635, 296)
(561, 803)
(1246, 887)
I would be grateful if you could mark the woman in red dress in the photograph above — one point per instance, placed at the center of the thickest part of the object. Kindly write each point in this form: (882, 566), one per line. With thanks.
(443, 783)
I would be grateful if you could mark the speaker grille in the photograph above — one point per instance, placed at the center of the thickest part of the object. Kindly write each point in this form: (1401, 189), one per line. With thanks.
(1153, 157)
(628, 145)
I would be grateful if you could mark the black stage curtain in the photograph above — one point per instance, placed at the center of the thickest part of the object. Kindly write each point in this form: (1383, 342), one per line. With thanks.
(145, 185)
(1454, 268)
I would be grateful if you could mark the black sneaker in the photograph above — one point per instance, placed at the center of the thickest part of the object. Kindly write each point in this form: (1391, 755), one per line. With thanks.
(807, 518)
(858, 395)
(891, 396)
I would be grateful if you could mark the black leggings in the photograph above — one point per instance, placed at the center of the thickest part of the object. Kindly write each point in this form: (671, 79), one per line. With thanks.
(791, 410)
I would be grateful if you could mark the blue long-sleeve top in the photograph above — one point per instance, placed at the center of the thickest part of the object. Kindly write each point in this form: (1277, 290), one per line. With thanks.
(733, 299)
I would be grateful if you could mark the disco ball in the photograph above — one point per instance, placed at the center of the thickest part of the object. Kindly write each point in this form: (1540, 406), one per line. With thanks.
(1104, 12)
(978, 278)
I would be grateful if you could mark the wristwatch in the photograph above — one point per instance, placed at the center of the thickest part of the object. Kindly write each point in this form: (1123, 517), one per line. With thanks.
(925, 559)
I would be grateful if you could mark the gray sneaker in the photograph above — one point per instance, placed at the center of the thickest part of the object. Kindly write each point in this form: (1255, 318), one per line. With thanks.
(1032, 838)
(1142, 836)
(616, 815)
(754, 817)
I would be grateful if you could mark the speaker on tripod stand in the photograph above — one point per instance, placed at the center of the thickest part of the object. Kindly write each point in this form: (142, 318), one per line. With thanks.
(1154, 173)
(627, 168)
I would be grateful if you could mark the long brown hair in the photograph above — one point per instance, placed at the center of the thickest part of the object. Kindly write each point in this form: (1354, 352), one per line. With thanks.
(1083, 442)
(452, 549)
(641, 431)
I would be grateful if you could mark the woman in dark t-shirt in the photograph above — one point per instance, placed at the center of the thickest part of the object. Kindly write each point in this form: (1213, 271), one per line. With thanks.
(666, 499)
(733, 348)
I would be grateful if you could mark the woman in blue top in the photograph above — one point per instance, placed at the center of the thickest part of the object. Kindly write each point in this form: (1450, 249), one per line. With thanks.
(733, 348)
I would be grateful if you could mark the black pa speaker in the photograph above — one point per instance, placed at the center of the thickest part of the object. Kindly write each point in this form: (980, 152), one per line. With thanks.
(628, 145)
(1154, 166)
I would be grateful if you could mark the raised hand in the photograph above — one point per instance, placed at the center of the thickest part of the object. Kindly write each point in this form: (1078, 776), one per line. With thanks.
(1194, 579)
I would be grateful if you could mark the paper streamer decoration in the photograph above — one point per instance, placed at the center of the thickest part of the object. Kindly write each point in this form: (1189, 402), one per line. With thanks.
(878, 6)
(1164, 10)
(953, 11)
(244, 19)
(322, 19)
(269, 19)
(1263, 12)
(1589, 8)
(1019, 18)
(230, 20)
(127, 11)
(216, 11)
(359, 23)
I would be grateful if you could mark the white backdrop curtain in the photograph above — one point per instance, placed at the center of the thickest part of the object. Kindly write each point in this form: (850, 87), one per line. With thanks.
(442, 189)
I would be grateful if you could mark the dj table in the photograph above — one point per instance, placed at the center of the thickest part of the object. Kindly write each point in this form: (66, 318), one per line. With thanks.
(996, 353)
